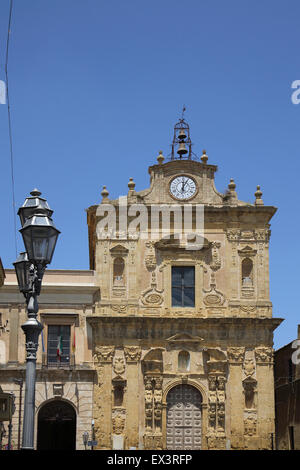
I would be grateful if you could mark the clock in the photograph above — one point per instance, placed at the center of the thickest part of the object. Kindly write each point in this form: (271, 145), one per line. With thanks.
(183, 187)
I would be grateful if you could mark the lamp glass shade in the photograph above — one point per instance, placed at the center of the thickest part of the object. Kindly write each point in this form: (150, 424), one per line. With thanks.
(32, 205)
(39, 236)
(22, 266)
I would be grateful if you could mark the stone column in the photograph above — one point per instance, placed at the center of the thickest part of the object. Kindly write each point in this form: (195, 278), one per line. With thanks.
(102, 395)
(265, 396)
(132, 355)
(236, 358)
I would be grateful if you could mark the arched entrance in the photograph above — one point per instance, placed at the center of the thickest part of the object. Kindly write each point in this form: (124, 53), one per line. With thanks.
(56, 426)
(184, 423)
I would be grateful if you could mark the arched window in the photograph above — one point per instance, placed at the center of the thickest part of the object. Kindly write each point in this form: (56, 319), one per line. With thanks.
(184, 361)
(247, 272)
(118, 272)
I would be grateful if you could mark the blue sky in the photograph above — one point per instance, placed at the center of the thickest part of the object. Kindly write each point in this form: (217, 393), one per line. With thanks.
(96, 88)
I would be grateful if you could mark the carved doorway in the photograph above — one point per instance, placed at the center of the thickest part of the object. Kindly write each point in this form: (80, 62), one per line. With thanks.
(56, 426)
(184, 420)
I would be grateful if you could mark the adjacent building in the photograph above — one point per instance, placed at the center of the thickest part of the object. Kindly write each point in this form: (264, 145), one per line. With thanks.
(287, 395)
(167, 341)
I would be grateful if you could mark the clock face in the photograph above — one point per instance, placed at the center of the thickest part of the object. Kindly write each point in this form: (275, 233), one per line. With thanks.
(183, 187)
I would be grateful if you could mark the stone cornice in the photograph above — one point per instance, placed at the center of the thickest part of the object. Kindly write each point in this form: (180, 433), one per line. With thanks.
(158, 328)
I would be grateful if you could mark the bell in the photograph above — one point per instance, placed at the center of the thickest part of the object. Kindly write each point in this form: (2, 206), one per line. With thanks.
(182, 149)
(182, 135)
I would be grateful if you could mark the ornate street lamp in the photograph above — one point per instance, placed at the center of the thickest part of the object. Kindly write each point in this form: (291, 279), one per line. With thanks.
(39, 236)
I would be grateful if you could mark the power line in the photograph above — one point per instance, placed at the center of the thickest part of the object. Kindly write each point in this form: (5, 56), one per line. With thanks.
(9, 124)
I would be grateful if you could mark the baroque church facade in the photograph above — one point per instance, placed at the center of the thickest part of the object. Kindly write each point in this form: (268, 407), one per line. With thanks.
(168, 338)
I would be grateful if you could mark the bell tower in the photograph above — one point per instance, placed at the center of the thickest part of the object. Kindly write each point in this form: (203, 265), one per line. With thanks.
(182, 144)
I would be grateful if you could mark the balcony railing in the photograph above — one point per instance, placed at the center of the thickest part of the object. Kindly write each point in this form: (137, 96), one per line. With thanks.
(59, 364)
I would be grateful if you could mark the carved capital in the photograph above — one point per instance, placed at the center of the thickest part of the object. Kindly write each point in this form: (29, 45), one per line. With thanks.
(132, 353)
(264, 355)
(236, 355)
(104, 353)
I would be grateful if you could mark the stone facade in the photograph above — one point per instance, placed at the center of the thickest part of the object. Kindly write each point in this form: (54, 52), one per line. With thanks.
(228, 333)
(136, 353)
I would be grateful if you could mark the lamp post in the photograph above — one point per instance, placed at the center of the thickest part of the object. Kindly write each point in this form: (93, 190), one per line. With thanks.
(39, 237)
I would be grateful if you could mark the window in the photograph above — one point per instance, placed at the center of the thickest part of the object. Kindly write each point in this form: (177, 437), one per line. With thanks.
(184, 361)
(58, 345)
(183, 286)
(119, 272)
(247, 272)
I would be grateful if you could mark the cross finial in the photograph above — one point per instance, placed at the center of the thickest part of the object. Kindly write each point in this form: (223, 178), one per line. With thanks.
(183, 111)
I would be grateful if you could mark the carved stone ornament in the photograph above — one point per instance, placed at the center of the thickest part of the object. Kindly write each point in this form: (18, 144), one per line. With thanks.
(152, 297)
(104, 353)
(247, 252)
(263, 235)
(250, 423)
(153, 442)
(185, 340)
(213, 297)
(118, 424)
(119, 308)
(249, 367)
(132, 353)
(233, 235)
(264, 355)
(119, 365)
(150, 258)
(236, 355)
(216, 259)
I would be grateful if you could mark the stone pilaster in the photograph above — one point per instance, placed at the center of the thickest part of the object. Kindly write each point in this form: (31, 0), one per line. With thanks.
(102, 395)
(132, 355)
(265, 395)
(236, 358)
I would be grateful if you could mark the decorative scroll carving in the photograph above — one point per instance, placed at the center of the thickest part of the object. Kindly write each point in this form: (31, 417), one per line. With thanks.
(213, 297)
(132, 353)
(152, 296)
(119, 308)
(104, 353)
